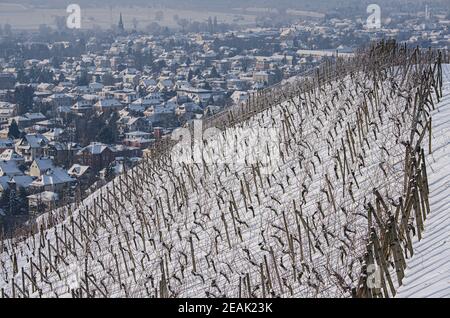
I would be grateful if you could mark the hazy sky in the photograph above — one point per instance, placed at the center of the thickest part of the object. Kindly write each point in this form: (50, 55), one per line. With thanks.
(30, 14)
(224, 3)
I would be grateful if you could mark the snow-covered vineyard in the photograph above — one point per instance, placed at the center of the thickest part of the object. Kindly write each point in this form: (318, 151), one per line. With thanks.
(428, 271)
(338, 212)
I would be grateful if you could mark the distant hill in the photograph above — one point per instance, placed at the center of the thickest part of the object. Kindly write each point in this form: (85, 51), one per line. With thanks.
(317, 5)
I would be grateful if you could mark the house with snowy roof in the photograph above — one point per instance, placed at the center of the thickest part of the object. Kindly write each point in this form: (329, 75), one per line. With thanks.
(31, 146)
(6, 144)
(84, 104)
(21, 121)
(95, 87)
(45, 87)
(125, 96)
(239, 97)
(61, 99)
(189, 107)
(132, 123)
(55, 179)
(40, 166)
(138, 139)
(165, 85)
(198, 95)
(148, 82)
(62, 153)
(9, 168)
(154, 98)
(34, 117)
(96, 155)
(136, 108)
(11, 155)
(131, 79)
(7, 111)
(77, 170)
(83, 174)
(108, 104)
(19, 183)
(55, 134)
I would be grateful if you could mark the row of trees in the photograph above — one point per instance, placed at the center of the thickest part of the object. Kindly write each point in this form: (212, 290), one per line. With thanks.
(23, 97)
(35, 75)
(102, 128)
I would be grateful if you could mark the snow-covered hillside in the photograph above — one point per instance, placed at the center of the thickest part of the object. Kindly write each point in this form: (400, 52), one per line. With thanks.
(428, 271)
(345, 189)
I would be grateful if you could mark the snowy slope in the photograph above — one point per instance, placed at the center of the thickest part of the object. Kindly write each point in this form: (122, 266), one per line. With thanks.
(428, 271)
(209, 230)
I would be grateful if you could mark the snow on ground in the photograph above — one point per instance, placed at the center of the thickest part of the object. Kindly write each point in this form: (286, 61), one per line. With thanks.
(428, 271)
(300, 229)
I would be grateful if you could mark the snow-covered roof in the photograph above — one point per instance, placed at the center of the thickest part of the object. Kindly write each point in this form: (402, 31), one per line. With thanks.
(190, 106)
(10, 154)
(110, 102)
(60, 96)
(43, 164)
(77, 170)
(19, 119)
(239, 95)
(137, 134)
(6, 112)
(36, 140)
(148, 82)
(90, 97)
(54, 133)
(4, 182)
(165, 83)
(35, 116)
(53, 177)
(96, 86)
(6, 143)
(9, 168)
(46, 196)
(95, 148)
(136, 108)
(64, 109)
(82, 104)
(45, 86)
(22, 181)
(147, 101)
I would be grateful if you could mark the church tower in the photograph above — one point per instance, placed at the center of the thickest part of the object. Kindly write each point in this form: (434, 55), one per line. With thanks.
(121, 27)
